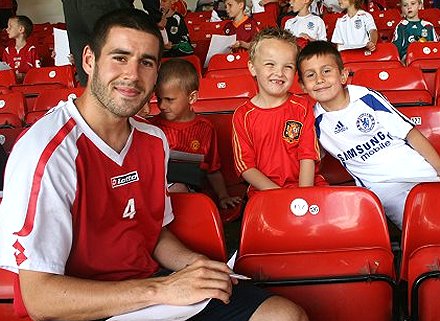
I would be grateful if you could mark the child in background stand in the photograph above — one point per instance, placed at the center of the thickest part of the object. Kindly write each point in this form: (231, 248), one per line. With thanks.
(274, 137)
(173, 22)
(305, 25)
(412, 28)
(21, 55)
(355, 29)
(243, 26)
(177, 90)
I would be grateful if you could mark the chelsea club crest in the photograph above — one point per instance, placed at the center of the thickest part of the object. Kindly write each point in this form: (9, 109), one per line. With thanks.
(365, 122)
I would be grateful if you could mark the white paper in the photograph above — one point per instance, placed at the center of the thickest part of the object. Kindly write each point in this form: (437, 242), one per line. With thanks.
(219, 44)
(215, 17)
(164, 36)
(61, 47)
(256, 7)
(163, 313)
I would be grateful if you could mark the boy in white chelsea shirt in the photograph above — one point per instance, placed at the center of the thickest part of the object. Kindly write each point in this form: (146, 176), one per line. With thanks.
(378, 145)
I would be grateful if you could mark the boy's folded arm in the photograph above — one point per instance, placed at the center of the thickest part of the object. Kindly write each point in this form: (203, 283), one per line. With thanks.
(422, 145)
(306, 172)
(257, 179)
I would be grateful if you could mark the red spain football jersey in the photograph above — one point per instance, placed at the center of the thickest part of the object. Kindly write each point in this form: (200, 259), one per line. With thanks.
(274, 140)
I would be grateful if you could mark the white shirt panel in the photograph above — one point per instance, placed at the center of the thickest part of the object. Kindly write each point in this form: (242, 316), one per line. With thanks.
(311, 25)
(351, 33)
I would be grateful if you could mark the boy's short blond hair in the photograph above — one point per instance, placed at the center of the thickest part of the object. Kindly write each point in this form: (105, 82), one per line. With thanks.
(179, 70)
(271, 33)
(241, 1)
(358, 3)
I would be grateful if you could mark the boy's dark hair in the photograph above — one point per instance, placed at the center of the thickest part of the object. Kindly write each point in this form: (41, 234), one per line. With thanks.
(181, 70)
(271, 33)
(26, 23)
(126, 18)
(318, 48)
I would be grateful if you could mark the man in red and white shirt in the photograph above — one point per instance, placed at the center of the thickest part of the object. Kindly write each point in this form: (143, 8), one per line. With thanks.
(83, 217)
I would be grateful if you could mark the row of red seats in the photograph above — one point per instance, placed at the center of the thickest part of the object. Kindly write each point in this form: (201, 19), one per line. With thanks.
(326, 248)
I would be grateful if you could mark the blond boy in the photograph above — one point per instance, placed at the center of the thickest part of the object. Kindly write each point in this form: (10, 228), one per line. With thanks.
(412, 28)
(274, 138)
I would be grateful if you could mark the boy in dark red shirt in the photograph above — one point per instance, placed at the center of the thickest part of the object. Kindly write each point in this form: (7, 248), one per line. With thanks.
(21, 55)
(243, 26)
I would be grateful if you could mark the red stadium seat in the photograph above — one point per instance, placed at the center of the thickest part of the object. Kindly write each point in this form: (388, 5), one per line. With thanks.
(433, 16)
(215, 95)
(200, 35)
(426, 56)
(386, 22)
(7, 312)
(39, 79)
(50, 98)
(198, 225)
(404, 86)
(192, 59)
(421, 251)
(228, 65)
(12, 103)
(427, 120)
(7, 79)
(326, 248)
(385, 56)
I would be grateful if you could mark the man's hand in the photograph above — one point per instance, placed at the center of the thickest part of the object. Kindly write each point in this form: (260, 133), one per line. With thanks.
(198, 281)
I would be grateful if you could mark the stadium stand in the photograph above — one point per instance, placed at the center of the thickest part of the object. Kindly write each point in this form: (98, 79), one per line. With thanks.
(403, 86)
(421, 251)
(7, 312)
(321, 247)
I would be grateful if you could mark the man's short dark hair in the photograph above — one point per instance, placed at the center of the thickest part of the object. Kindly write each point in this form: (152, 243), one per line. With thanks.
(318, 48)
(179, 70)
(26, 23)
(125, 18)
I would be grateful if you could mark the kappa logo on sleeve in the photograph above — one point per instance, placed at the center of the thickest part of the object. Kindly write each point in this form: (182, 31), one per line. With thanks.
(124, 179)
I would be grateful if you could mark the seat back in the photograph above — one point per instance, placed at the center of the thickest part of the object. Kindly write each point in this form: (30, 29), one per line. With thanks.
(48, 75)
(13, 103)
(403, 86)
(426, 56)
(51, 97)
(386, 22)
(432, 15)
(7, 78)
(313, 245)
(197, 224)
(330, 23)
(427, 121)
(228, 65)
(192, 59)
(386, 55)
(421, 250)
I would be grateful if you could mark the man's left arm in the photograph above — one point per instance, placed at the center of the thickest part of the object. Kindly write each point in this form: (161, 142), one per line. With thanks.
(172, 254)
(424, 148)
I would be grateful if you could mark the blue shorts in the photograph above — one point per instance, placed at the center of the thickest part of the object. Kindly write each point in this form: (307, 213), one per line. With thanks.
(245, 299)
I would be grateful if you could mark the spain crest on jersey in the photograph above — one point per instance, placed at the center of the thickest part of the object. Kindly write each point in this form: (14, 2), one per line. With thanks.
(292, 131)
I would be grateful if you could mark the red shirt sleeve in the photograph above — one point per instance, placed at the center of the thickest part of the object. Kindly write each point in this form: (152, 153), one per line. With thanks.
(308, 143)
(244, 153)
